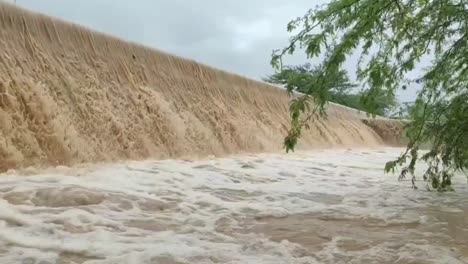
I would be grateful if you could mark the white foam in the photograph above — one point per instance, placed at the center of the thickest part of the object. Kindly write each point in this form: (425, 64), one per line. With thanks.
(201, 211)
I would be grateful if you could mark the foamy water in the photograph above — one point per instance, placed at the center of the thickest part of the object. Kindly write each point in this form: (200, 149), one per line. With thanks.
(332, 206)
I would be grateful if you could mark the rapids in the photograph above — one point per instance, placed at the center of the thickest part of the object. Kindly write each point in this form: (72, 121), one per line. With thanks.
(324, 206)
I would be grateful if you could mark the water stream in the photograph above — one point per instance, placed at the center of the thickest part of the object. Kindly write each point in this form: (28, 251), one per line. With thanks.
(329, 206)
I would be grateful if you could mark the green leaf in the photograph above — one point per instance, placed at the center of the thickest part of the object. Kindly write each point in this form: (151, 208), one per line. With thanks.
(396, 38)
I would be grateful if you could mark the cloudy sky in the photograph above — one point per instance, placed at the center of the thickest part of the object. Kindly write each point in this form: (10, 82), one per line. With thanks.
(237, 36)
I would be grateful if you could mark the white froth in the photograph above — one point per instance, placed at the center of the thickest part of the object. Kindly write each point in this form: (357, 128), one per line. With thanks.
(209, 211)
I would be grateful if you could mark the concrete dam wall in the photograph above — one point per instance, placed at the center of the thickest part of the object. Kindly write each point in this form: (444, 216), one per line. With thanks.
(70, 95)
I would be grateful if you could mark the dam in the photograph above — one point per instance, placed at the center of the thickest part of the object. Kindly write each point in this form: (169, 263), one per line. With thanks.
(112, 152)
(69, 95)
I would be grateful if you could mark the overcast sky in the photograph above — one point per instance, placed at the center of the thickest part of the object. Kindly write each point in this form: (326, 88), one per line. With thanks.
(237, 36)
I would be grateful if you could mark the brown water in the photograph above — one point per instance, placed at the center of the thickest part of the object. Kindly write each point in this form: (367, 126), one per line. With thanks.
(330, 206)
(70, 95)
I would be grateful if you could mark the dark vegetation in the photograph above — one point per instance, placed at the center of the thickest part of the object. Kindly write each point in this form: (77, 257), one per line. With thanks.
(341, 90)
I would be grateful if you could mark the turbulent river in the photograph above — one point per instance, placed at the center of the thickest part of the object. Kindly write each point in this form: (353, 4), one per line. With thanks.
(329, 206)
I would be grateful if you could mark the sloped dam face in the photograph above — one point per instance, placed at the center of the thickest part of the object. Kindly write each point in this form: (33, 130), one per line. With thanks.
(70, 97)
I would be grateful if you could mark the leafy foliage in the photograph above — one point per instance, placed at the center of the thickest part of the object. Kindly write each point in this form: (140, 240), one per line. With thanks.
(392, 37)
(303, 78)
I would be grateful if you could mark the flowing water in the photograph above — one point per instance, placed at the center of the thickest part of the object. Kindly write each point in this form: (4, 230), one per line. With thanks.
(329, 206)
(69, 96)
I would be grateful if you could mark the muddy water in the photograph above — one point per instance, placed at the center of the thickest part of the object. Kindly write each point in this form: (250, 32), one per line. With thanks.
(70, 95)
(333, 206)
